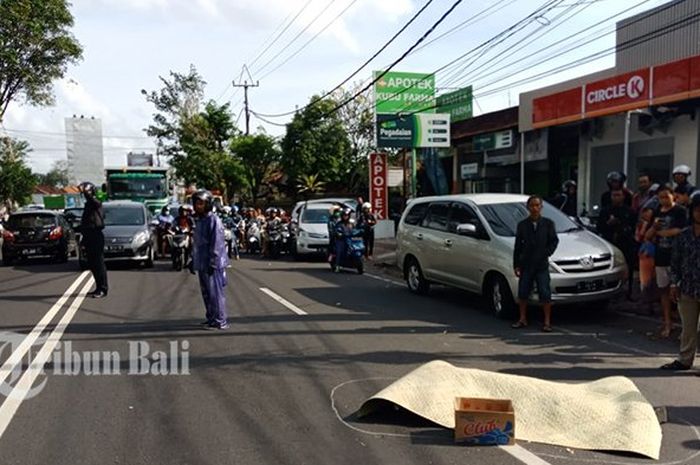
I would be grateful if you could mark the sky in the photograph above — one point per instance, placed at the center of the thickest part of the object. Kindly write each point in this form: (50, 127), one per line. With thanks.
(128, 44)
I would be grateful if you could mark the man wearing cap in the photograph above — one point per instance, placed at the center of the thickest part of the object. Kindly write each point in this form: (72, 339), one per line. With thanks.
(685, 288)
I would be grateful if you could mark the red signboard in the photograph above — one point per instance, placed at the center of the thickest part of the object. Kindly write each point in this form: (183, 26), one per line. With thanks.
(378, 191)
(619, 91)
(670, 82)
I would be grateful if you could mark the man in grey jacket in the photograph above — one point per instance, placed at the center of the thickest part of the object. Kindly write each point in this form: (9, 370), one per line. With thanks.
(535, 241)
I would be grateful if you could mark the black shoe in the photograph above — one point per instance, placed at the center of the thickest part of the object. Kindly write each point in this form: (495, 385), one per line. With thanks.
(676, 366)
(98, 294)
(213, 327)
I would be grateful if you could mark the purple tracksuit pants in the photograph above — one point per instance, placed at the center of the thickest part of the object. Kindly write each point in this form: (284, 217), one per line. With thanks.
(214, 295)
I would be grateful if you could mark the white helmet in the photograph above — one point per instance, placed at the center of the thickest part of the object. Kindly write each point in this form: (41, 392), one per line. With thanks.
(682, 169)
(366, 206)
(226, 209)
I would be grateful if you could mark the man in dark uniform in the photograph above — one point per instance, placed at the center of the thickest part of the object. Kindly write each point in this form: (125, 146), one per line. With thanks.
(535, 241)
(91, 225)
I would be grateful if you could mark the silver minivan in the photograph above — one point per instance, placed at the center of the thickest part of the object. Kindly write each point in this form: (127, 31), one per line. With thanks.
(467, 241)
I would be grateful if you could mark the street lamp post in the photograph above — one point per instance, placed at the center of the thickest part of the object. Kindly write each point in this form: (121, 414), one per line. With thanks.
(626, 150)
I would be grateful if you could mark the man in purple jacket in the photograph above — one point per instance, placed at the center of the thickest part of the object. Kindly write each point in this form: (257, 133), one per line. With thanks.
(210, 260)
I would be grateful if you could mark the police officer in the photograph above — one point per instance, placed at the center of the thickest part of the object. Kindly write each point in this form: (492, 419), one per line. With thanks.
(210, 260)
(91, 225)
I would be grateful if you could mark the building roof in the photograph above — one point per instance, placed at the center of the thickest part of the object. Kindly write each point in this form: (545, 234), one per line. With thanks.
(488, 122)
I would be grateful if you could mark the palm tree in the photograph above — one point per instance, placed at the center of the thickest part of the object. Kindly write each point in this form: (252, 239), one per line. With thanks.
(308, 184)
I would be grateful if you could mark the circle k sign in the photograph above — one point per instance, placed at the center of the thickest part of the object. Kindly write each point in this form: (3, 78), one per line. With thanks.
(635, 86)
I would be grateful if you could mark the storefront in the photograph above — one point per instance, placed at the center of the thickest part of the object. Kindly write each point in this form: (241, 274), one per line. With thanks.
(641, 116)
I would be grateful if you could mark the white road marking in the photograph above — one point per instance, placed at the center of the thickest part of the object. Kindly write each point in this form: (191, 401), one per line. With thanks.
(284, 301)
(524, 455)
(16, 357)
(386, 280)
(19, 392)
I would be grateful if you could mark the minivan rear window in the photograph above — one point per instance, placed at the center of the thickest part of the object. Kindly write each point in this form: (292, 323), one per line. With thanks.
(437, 216)
(416, 214)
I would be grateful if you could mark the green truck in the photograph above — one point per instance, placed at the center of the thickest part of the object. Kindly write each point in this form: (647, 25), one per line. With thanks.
(148, 185)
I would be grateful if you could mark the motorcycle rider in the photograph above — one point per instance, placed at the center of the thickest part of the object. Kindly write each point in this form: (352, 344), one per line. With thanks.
(333, 218)
(615, 180)
(273, 227)
(566, 199)
(343, 228)
(91, 225)
(184, 222)
(165, 220)
(366, 222)
(210, 260)
(681, 173)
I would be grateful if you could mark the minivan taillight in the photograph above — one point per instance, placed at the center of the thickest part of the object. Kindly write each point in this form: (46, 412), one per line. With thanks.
(56, 233)
(7, 236)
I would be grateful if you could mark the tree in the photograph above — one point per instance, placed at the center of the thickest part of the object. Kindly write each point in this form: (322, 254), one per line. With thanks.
(203, 158)
(16, 179)
(259, 154)
(57, 176)
(358, 120)
(179, 100)
(317, 143)
(36, 47)
(310, 185)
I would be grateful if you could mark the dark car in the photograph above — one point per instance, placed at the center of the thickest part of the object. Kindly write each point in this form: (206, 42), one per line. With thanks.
(37, 233)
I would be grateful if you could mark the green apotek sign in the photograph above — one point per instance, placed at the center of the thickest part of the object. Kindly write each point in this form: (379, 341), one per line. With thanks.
(398, 92)
(458, 104)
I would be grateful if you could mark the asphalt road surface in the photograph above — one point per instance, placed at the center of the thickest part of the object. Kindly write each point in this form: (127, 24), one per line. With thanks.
(306, 347)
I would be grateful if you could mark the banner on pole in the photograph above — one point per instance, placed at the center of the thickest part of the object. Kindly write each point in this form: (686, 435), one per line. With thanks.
(378, 192)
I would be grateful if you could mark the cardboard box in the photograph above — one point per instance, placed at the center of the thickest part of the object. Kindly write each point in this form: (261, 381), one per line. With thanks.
(481, 422)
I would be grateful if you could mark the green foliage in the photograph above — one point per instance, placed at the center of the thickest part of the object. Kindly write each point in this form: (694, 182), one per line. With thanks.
(317, 145)
(204, 159)
(179, 100)
(36, 47)
(16, 179)
(309, 184)
(259, 155)
(57, 176)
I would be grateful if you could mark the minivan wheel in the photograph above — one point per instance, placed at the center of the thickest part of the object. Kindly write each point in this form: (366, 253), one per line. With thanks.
(500, 297)
(415, 279)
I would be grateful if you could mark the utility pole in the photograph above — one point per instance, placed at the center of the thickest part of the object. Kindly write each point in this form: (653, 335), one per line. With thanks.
(245, 86)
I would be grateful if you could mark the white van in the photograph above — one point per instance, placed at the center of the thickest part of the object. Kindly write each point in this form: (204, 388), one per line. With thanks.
(467, 241)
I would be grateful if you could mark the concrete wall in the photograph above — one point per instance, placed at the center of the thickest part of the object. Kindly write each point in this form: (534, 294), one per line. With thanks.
(682, 140)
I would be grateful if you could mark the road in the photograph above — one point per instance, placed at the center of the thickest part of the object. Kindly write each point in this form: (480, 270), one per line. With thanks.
(284, 383)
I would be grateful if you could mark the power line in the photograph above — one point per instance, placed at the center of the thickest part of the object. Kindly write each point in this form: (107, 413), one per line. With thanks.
(260, 55)
(286, 60)
(354, 73)
(527, 18)
(552, 54)
(296, 37)
(64, 134)
(623, 46)
(512, 52)
(688, 20)
(397, 61)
